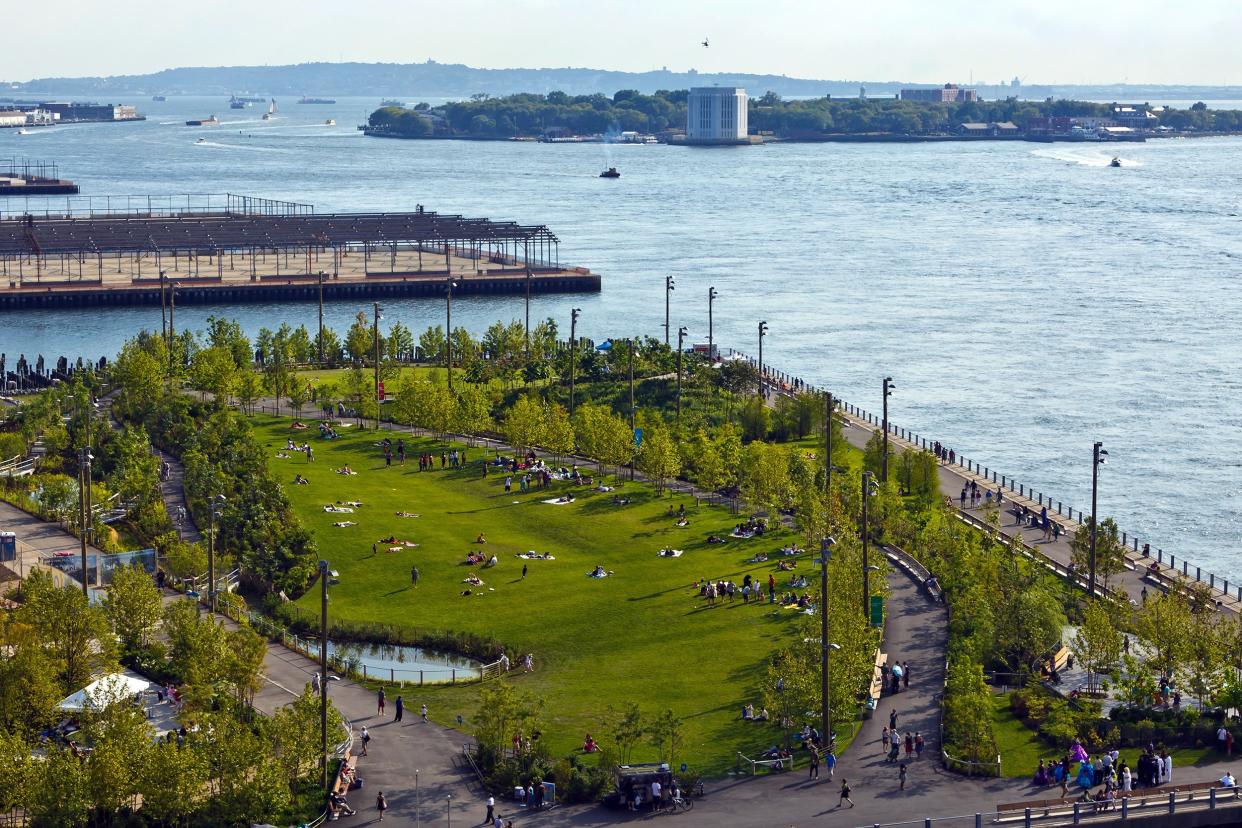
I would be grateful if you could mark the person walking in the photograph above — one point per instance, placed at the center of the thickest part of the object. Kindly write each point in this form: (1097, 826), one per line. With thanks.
(523, 570)
(884, 740)
(400, 708)
(830, 762)
(491, 811)
(381, 805)
(379, 698)
(366, 739)
(909, 745)
(813, 772)
(919, 744)
(315, 684)
(424, 712)
(901, 776)
(414, 576)
(905, 675)
(892, 719)
(845, 794)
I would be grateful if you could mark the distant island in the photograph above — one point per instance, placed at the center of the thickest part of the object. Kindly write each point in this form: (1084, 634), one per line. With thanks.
(631, 115)
(431, 79)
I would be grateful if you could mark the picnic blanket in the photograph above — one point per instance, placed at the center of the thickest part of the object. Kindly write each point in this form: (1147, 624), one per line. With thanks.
(556, 501)
(742, 535)
(341, 524)
(670, 553)
(535, 556)
(595, 573)
(344, 510)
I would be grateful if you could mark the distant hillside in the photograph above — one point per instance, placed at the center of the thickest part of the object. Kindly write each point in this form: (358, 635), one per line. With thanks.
(431, 79)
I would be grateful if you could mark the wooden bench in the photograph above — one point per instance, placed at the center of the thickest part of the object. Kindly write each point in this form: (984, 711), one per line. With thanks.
(877, 684)
(1048, 805)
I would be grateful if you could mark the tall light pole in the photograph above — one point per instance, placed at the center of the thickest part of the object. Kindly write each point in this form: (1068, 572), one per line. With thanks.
(377, 366)
(681, 338)
(163, 310)
(321, 318)
(888, 391)
(868, 490)
(763, 331)
(172, 326)
(84, 505)
(669, 286)
(323, 672)
(825, 551)
(711, 341)
(573, 354)
(216, 504)
(528, 278)
(1099, 457)
(418, 802)
(828, 406)
(633, 348)
(448, 330)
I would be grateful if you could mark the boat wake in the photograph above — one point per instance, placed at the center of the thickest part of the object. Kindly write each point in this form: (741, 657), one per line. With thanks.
(1084, 157)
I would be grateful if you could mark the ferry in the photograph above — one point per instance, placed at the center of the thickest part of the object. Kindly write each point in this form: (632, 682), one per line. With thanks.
(306, 100)
(611, 172)
(212, 121)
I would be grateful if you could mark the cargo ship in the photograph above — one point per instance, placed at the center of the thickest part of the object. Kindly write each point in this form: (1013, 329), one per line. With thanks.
(306, 100)
(158, 98)
(211, 121)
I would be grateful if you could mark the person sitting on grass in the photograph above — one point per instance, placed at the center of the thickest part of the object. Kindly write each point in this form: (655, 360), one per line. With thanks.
(473, 579)
(683, 522)
(787, 566)
(715, 539)
(345, 470)
(300, 480)
(589, 745)
(491, 561)
(480, 539)
(748, 712)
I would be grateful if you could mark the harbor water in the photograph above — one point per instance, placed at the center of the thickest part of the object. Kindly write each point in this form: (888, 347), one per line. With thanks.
(1027, 299)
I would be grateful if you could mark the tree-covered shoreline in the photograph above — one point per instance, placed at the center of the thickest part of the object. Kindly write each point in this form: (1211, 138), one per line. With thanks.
(531, 116)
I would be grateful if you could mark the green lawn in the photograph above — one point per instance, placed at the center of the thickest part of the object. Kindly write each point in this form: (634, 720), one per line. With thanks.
(642, 634)
(1021, 748)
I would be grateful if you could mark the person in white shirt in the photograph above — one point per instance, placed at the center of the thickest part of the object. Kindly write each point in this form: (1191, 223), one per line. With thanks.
(1168, 767)
(1227, 781)
(657, 802)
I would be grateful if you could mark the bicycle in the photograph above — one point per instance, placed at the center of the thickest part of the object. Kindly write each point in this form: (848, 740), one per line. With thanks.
(679, 803)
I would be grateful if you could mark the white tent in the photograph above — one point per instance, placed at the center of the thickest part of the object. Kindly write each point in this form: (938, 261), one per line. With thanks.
(105, 691)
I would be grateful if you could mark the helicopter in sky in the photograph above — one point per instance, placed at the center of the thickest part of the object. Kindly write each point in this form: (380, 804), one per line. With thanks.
(706, 44)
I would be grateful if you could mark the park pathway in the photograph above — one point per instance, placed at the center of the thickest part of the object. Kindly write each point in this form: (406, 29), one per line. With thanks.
(172, 490)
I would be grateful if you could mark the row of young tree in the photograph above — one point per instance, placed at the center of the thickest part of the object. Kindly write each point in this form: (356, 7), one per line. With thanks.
(230, 767)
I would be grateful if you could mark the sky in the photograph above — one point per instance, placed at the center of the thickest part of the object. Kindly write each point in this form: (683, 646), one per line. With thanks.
(929, 41)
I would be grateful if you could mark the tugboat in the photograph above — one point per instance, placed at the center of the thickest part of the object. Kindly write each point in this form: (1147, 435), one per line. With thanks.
(611, 172)
(1116, 162)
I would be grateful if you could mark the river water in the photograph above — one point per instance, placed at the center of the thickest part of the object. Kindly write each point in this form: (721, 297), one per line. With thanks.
(1027, 299)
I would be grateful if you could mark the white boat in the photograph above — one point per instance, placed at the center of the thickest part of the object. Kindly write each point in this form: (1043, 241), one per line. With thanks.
(201, 141)
(330, 122)
(23, 132)
(271, 110)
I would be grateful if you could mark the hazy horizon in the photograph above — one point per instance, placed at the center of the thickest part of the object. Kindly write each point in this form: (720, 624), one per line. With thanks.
(1047, 42)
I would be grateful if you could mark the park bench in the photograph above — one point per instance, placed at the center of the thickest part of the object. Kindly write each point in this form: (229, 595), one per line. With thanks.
(771, 764)
(877, 684)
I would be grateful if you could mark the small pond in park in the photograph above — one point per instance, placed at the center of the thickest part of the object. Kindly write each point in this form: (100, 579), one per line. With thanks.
(400, 663)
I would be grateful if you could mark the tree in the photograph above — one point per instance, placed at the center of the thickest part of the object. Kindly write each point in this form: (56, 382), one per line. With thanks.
(523, 423)
(558, 432)
(474, 409)
(74, 633)
(1097, 642)
(400, 343)
(60, 795)
(359, 343)
(1205, 662)
(968, 713)
(172, 784)
(133, 606)
(665, 732)
(295, 733)
(1028, 625)
(247, 389)
(1110, 553)
(121, 738)
(1165, 622)
(29, 692)
(213, 370)
(756, 419)
(503, 711)
(658, 457)
(623, 727)
(431, 344)
(791, 685)
(299, 393)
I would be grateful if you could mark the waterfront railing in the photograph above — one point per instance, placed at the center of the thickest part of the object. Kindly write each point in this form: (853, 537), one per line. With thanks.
(1137, 549)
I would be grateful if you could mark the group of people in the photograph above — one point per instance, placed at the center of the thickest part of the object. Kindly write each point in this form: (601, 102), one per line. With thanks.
(752, 528)
(894, 678)
(750, 588)
(976, 495)
(452, 459)
(944, 455)
(892, 742)
(327, 432)
(1153, 768)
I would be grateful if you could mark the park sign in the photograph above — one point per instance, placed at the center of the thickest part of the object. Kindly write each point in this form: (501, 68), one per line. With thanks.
(877, 610)
(638, 437)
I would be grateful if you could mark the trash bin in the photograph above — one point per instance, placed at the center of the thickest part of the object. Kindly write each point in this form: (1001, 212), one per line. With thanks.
(8, 546)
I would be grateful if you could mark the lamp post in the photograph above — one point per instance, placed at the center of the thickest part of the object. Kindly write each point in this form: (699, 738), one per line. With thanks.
(868, 491)
(376, 336)
(711, 341)
(763, 331)
(681, 338)
(825, 551)
(448, 330)
(888, 391)
(1099, 456)
(172, 327)
(323, 671)
(829, 404)
(528, 278)
(216, 504)
(669, 286)
(84, 505)
(573, 354)
(163, 310)
(321, 318)
(418, 802)
(450, 811)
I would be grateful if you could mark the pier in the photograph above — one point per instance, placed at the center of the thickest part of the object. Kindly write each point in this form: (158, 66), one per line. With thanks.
(230, 249)
(32, 178)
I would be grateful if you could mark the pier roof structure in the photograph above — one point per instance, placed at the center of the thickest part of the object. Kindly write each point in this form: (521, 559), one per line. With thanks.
(239, 223)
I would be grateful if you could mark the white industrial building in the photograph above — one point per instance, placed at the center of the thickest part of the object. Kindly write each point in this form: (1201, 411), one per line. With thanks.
(716, 115)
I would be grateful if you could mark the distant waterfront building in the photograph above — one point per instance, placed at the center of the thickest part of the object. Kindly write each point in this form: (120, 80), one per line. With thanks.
(13, 118)
(1135, 117)
(716, 115)
(70, 111)
(949, 93)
